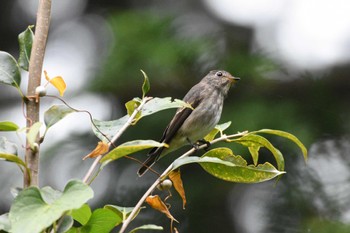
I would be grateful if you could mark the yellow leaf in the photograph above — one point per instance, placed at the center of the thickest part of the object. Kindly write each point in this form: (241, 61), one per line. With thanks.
(100, 149)
(156, 203)
(58, 82)
(175, 177)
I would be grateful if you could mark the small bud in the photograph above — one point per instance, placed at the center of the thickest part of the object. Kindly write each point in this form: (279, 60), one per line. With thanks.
(165, 185)
(40, 91)
(35, 147)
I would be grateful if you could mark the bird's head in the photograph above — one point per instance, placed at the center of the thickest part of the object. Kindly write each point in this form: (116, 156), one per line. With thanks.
(221, 79)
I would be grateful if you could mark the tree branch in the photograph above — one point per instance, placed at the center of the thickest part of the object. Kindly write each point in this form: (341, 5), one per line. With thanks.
(115, 138)
(166, 172)
(35, 70)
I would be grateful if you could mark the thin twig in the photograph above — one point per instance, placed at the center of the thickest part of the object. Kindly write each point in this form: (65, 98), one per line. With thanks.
(115, 138)
(166, 172)
(79, 110)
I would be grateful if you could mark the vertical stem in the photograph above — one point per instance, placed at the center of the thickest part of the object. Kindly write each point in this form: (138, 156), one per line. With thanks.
(35, 70)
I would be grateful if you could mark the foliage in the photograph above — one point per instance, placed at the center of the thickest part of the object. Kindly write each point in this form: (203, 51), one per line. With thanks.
(37, 209)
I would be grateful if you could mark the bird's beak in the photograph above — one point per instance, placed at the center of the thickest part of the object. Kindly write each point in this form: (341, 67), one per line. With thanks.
(234, 79)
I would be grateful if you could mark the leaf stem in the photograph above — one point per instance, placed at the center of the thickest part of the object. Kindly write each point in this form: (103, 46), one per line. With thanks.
(115, 138)
(166, 172)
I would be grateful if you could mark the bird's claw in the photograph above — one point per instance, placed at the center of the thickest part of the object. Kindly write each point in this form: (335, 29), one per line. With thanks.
(202, 142)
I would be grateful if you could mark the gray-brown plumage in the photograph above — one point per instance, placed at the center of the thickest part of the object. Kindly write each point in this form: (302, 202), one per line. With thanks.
(189, 126)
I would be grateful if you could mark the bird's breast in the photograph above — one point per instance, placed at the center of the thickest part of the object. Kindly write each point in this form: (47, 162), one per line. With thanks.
(203, 118)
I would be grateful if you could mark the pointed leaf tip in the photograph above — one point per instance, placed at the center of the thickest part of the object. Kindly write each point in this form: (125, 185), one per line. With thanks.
(25, 40)
(175, 177)
(156, 203)
(146, 85)
(8, 126)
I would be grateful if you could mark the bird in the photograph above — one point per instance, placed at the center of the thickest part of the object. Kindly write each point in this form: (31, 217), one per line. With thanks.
(190, 125)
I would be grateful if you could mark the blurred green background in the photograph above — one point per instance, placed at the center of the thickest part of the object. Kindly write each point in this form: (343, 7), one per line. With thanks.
(290, 80)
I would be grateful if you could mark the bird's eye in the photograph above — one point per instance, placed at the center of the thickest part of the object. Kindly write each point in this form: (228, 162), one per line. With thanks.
(219, 73)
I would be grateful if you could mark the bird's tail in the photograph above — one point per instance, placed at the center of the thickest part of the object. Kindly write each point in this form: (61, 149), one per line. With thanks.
(153, 156)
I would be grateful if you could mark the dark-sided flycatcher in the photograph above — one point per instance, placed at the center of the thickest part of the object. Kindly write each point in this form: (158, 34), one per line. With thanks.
(190, 125)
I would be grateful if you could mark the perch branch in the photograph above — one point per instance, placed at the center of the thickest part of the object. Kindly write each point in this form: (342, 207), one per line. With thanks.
(115, 138)
(166, 172)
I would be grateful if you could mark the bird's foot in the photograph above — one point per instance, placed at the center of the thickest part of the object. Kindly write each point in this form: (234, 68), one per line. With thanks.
(199, 143)
(202, 142)
(194, 145)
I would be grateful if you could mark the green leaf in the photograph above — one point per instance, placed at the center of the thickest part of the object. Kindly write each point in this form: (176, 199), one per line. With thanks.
(288, 136)
(25, 40)
(12, 158)
(147, 227)
(122, 212)
(159, 104)
(32, 134)
(108, 128)
(155, 105)
(101, 221)
(254, 151)
(73, 230)
(132, 105)
(218, 128)
(210, 136)
(82, 215)
(17, 160)
(56, 113)
(7, 147)
(223, 126)
(5, 224)
(223, 164)
(8, 126)
(129, 148)
(253, 140)
(30, 213)
(9, 70)
(50, 195)
(146, 85)
(66, 224)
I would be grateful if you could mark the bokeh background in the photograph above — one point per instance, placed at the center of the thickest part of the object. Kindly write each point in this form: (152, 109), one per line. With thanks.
(294, 60)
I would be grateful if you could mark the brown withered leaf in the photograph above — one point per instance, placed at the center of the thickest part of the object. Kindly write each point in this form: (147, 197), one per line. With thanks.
(100, 149)
(156, 203)
(175, 177)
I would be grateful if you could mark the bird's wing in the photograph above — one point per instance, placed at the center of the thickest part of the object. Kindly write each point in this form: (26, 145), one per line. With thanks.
(179, 118)
(193, 98)
(181, 115)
